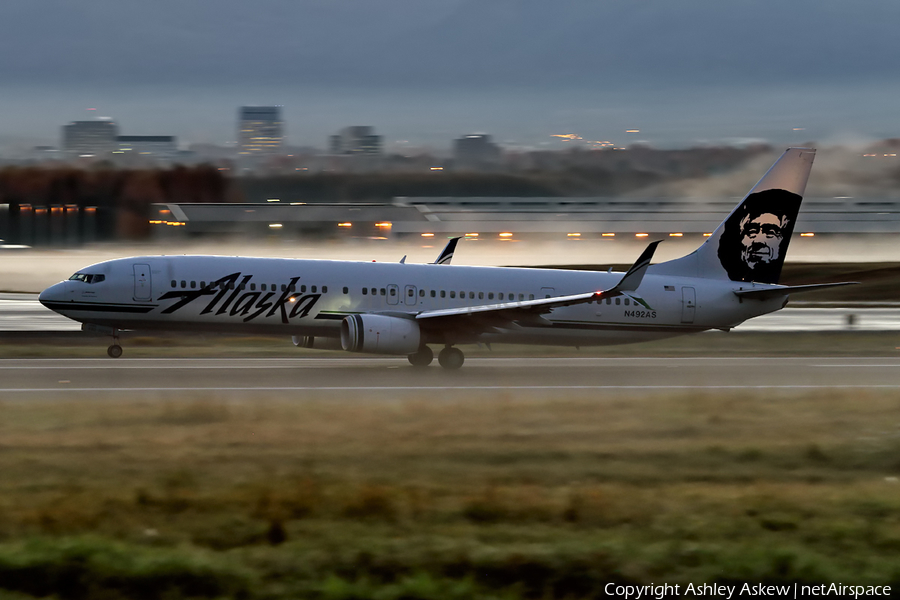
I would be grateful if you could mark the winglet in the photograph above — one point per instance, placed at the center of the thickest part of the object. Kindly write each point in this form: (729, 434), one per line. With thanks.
(632, 279)
(447, 253)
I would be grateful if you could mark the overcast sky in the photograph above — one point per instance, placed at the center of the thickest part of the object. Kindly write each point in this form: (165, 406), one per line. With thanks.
(425, 71)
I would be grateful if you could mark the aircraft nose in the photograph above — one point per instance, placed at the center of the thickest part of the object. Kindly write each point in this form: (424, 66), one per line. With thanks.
(54, 293)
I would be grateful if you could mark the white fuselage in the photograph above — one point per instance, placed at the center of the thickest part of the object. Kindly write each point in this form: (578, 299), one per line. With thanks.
(312, 297)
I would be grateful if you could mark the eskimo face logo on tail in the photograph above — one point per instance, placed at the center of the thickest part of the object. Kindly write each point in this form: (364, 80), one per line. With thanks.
(756, 236)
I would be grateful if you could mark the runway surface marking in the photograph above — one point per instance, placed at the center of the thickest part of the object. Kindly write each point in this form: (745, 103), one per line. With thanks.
(445, 388)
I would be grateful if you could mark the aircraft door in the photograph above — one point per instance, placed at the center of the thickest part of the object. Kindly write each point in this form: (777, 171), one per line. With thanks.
(409, 295)
(689, 300)
(393, 294)
(142, 283)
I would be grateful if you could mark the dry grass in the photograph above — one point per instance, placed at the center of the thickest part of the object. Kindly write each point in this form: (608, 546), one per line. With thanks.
(658, 486)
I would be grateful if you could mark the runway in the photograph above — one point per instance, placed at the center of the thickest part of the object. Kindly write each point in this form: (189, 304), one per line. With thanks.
(55, 378)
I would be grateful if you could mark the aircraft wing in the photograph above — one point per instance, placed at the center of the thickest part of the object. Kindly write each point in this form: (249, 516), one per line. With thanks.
(782, 290)
(530, 310)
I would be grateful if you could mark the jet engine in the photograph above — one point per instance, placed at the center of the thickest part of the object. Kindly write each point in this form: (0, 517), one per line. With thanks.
(380, 334)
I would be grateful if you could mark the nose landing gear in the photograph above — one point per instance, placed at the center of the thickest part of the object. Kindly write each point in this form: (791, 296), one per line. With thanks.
(115, 351)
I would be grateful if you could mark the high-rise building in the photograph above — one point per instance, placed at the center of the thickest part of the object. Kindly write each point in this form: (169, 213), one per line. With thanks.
(476, 150)
(90, 138)
(358, 139)
(260, 130)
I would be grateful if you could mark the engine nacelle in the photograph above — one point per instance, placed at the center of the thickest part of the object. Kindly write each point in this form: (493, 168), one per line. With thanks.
(380, 334)
(319, 343)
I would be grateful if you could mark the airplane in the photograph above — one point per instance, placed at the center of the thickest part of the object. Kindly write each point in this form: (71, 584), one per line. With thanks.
(402, 309)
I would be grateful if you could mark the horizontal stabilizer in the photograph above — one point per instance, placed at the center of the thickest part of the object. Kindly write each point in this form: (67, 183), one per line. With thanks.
(782, 290)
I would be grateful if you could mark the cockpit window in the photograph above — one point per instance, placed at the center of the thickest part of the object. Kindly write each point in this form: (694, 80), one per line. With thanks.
(87, 277)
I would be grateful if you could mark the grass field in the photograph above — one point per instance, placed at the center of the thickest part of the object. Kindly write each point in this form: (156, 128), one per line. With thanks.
(484, 495)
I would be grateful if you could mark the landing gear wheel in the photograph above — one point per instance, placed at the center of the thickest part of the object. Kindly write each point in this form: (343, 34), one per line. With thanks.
(114, 351)
(422, 358)
(451, 358)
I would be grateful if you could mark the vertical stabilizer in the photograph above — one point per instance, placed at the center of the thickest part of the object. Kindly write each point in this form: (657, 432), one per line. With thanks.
(750, 245)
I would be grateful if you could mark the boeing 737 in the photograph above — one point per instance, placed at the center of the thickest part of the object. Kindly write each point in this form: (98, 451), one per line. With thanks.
(402, 309)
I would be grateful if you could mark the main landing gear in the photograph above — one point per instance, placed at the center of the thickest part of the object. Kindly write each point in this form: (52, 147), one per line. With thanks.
(450, 358)
(422, 358)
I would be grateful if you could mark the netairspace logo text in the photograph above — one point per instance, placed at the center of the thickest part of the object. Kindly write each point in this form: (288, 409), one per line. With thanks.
(658, 592)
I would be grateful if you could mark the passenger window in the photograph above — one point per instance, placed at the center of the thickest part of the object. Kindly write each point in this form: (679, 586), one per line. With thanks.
(462, 295)
(433, 294)
(490, 295)
(262, 287)
(243, 286)
(193, 284)
(252, 287)
(410, 292)
(618, 301)
(313, 289)
(346, 290)
(203, 284)
(627, 302)
(383, 291)
(364, 291)
(293, 287)
(609, 300)
(421, 293)
(302, 289)
(183, 283)
(531, 296)
(375, 292)
(443, 293)
(471, 295)
(452, 294)
(393, 292)
(521, 296)
(173, 283)
(283, 287)
(500, 296)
